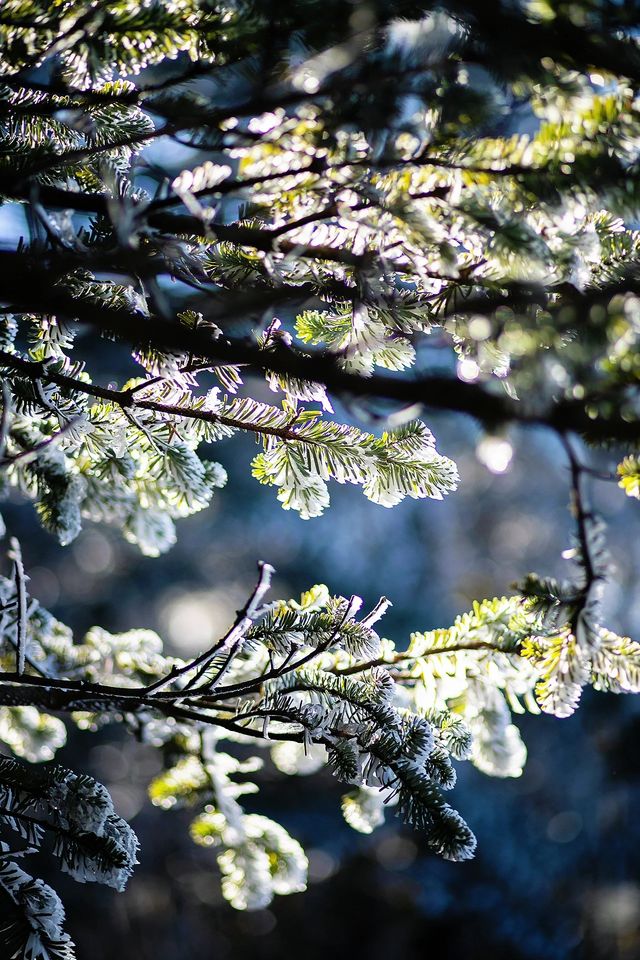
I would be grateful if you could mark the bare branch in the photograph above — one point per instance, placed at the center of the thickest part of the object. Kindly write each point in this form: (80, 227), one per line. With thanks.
(251, 611)
(5, 418)
(15, 554)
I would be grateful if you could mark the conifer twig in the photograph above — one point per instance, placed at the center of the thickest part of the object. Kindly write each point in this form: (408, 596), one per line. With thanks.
(5, 418)
(15, 554)
(250, 612)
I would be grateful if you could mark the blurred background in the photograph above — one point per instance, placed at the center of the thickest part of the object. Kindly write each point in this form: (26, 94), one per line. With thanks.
(557, 873)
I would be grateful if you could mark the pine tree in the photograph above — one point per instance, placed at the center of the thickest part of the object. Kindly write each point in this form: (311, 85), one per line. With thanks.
(448, 187)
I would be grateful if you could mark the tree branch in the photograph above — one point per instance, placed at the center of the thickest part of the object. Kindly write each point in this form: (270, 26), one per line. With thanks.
(15, 554)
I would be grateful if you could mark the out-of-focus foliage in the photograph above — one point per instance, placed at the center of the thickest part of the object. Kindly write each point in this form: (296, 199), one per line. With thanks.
(368, 187)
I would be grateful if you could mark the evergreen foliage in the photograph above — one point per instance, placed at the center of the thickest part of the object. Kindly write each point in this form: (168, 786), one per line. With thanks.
(401, 206)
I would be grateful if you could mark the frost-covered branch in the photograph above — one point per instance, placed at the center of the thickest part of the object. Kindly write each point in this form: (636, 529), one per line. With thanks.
(354, 227)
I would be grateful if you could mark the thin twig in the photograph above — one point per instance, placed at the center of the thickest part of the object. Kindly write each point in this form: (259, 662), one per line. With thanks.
(406, 657)
(584, 518)
(15, 554)
(33, 453)
(249, 686)
(580, 512)
(5, 418)
(246, 616)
